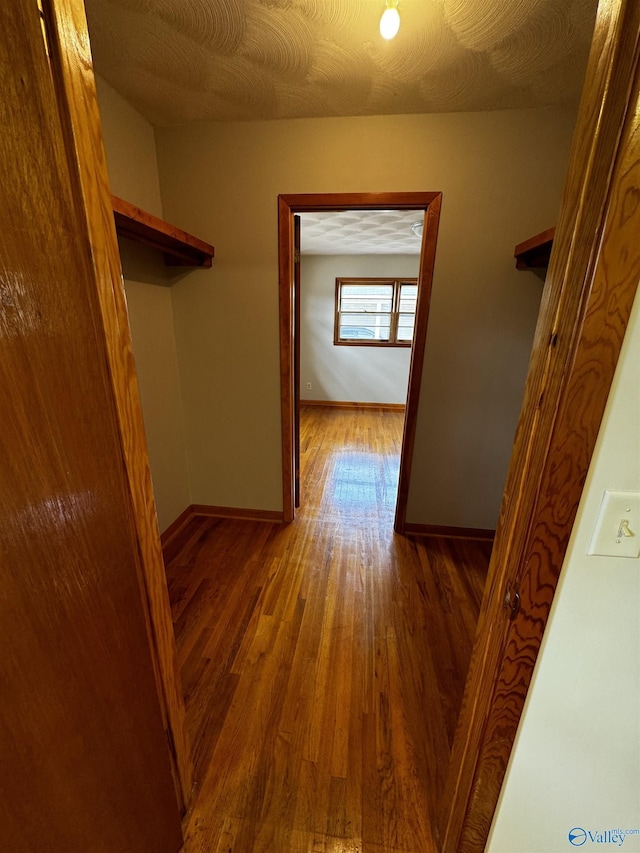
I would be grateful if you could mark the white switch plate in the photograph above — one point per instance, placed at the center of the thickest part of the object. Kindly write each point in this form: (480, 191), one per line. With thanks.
(608, 539)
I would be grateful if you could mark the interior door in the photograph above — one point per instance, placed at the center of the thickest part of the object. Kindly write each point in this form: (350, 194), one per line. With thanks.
(85, 763)
(296, 357)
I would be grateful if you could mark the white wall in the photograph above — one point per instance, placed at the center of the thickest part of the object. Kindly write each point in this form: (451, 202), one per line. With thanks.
(151, 319)
(576, 761)
(501, 174)
(352, 373)
(133, 175)
(130, 145)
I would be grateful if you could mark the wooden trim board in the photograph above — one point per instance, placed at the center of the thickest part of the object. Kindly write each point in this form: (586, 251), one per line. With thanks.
(194, 510)
(425, 285)
(340, 404)
(534, 253)
(177, 526)
(288, 205)
(180, 531)
(317, 202)
(240, 513)
(477, 533)
(172, 539)
(180, 248)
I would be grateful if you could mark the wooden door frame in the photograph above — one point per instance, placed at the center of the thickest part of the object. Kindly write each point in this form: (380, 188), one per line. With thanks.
(72, 69)
(288, 205)
(589, 292)
(297, 314)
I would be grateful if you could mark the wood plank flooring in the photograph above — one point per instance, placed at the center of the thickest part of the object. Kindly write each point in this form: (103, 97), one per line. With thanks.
(324, 661)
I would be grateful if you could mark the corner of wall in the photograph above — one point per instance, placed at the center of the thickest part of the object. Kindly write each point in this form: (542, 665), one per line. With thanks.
(130, 147)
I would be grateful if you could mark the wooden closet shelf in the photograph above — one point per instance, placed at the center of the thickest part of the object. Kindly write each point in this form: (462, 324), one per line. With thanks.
(534, 253)
(180, 248)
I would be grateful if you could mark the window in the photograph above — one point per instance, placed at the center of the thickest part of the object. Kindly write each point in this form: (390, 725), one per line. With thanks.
(375, 311)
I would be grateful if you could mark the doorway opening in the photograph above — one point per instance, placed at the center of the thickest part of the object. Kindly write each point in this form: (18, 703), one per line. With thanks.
(288, 206)
(353, 334)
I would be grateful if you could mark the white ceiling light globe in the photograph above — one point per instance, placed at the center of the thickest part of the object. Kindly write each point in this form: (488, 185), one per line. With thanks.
(389, 23)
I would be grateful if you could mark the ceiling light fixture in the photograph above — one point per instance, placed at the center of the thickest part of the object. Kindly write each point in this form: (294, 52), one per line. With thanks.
(417, 228)
(390, 20)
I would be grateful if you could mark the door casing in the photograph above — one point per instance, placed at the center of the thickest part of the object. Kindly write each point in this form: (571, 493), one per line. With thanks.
(288, 206)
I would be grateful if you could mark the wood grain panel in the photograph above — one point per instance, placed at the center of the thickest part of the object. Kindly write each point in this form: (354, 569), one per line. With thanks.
(85, 765)
(78, 107)
(589, 290)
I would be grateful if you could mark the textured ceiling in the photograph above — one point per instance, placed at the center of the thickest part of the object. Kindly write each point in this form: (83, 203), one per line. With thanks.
(180, 61)
(360, 232)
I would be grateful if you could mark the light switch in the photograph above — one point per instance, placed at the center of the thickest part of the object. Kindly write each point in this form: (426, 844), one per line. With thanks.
(617, 532)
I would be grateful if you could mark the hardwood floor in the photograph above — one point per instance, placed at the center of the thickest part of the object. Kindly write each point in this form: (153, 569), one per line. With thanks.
(324, 661)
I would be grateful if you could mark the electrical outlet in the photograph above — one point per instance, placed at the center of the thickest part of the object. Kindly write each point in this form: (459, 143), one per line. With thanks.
(308, 386)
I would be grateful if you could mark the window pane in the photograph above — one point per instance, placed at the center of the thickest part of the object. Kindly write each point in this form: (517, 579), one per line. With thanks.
(408, 297)
(366, 310)
(366, 306)
(405, 327)
(364, 328)
(377, 290)
(375, 297)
